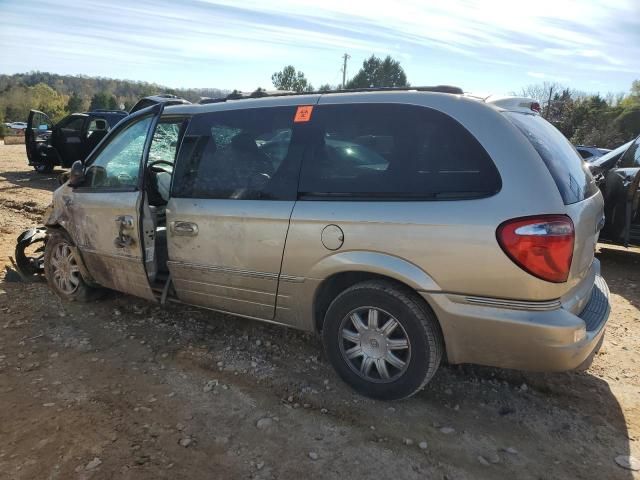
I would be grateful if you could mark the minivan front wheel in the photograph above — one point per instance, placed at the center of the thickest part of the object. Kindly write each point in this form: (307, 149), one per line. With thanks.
(62, 270)
(382, 340)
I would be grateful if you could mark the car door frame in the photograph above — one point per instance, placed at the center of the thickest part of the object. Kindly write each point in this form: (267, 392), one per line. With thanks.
(116, 271)
(242, 290)
(69, 152)
(32, 145)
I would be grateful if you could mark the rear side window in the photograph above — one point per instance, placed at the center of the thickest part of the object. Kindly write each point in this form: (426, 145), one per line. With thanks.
(394, 151)
(74, 124)
(570, 173)
(246, 154)
(631, 157)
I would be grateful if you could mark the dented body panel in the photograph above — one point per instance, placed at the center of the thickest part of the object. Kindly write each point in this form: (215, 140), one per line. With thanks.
(90, 220)
(233, 262)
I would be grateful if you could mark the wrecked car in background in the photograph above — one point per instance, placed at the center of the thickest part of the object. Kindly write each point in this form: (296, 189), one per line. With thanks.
(591, 152)
(72, 138)
(76, 135)
(617, 174)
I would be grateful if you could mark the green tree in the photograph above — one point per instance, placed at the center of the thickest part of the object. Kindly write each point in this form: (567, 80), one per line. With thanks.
(103, 101)
(376, 72)
(628, 122)
(326, 88)
(258, 92)
(289, 79)
(46, 99)
(75, 103)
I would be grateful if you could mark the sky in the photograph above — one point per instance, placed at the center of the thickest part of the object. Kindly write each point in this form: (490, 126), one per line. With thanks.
(486, 46)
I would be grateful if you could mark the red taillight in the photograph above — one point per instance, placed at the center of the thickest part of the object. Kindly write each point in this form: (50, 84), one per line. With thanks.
(541, 245)
(535, 106)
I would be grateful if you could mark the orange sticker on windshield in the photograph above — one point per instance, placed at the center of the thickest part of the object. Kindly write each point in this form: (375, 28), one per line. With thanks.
(303, 114)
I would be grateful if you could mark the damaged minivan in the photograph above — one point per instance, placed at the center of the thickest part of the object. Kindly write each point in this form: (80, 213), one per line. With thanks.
(406, 227)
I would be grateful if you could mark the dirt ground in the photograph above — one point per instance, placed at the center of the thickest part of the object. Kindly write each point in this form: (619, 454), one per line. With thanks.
(122, 388)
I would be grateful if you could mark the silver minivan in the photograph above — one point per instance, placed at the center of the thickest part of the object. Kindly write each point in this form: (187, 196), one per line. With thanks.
(406, 227)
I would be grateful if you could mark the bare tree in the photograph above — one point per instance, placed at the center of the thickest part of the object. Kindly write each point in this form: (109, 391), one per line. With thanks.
(541, 91)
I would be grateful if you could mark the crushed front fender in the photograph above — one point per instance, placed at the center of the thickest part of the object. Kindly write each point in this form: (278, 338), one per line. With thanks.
(29, 253)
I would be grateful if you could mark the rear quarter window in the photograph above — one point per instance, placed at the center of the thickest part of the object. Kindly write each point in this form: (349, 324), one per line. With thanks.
(569, 171)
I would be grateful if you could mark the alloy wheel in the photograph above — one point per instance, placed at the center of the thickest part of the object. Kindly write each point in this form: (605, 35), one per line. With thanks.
(65, 270)
(374, 344)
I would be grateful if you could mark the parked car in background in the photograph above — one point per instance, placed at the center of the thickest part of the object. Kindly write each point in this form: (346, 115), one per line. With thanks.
(590, 153)
(617, 174)
(420, 224)
(76, 135)
(71, 139)
(17, 125)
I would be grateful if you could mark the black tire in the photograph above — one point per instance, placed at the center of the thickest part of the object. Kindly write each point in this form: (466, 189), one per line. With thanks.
(418, 325)
(79, 290)
(46, 167)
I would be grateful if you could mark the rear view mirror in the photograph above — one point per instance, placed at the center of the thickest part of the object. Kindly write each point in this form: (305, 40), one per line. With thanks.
(76, 175)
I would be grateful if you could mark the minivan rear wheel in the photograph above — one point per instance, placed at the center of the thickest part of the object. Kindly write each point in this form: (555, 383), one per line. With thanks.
(382, 340)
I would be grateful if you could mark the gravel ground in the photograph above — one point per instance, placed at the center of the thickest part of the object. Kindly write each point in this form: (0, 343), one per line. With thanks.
(122, 388)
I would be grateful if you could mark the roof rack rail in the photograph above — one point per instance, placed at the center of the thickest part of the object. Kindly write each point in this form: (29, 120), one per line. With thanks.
(238, 95)
(432, 88)
(207, 100)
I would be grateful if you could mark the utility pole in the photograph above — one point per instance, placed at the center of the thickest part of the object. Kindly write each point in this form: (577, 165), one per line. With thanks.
(549, 103)
(345, 57)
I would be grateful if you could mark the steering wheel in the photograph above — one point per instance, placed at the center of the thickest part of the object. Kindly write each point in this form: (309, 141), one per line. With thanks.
(154, 166)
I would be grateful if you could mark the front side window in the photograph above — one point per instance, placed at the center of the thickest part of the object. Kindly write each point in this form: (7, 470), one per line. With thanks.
(97, 124)
(165, 141)
(244, 154)
(118, 163)
(394, 151)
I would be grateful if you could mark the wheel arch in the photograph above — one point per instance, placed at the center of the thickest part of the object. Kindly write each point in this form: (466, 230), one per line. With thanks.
(57, 229)
(341, 271)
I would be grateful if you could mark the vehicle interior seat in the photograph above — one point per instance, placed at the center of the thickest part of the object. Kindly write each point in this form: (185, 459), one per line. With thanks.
(96, 134)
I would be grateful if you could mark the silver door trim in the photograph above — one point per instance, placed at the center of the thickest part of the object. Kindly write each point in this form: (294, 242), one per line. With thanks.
(223, 269)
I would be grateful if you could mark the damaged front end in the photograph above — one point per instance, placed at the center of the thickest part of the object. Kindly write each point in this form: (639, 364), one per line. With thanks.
(29, 253)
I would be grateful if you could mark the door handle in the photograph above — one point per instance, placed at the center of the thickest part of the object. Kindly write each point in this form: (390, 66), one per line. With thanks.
(187, 229)
(125, 225)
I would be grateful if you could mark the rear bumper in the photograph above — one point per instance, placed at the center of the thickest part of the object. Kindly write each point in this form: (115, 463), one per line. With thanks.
(549, 338)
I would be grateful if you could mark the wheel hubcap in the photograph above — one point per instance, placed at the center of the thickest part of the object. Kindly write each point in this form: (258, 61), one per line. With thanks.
(374, 344)
(66, 273)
